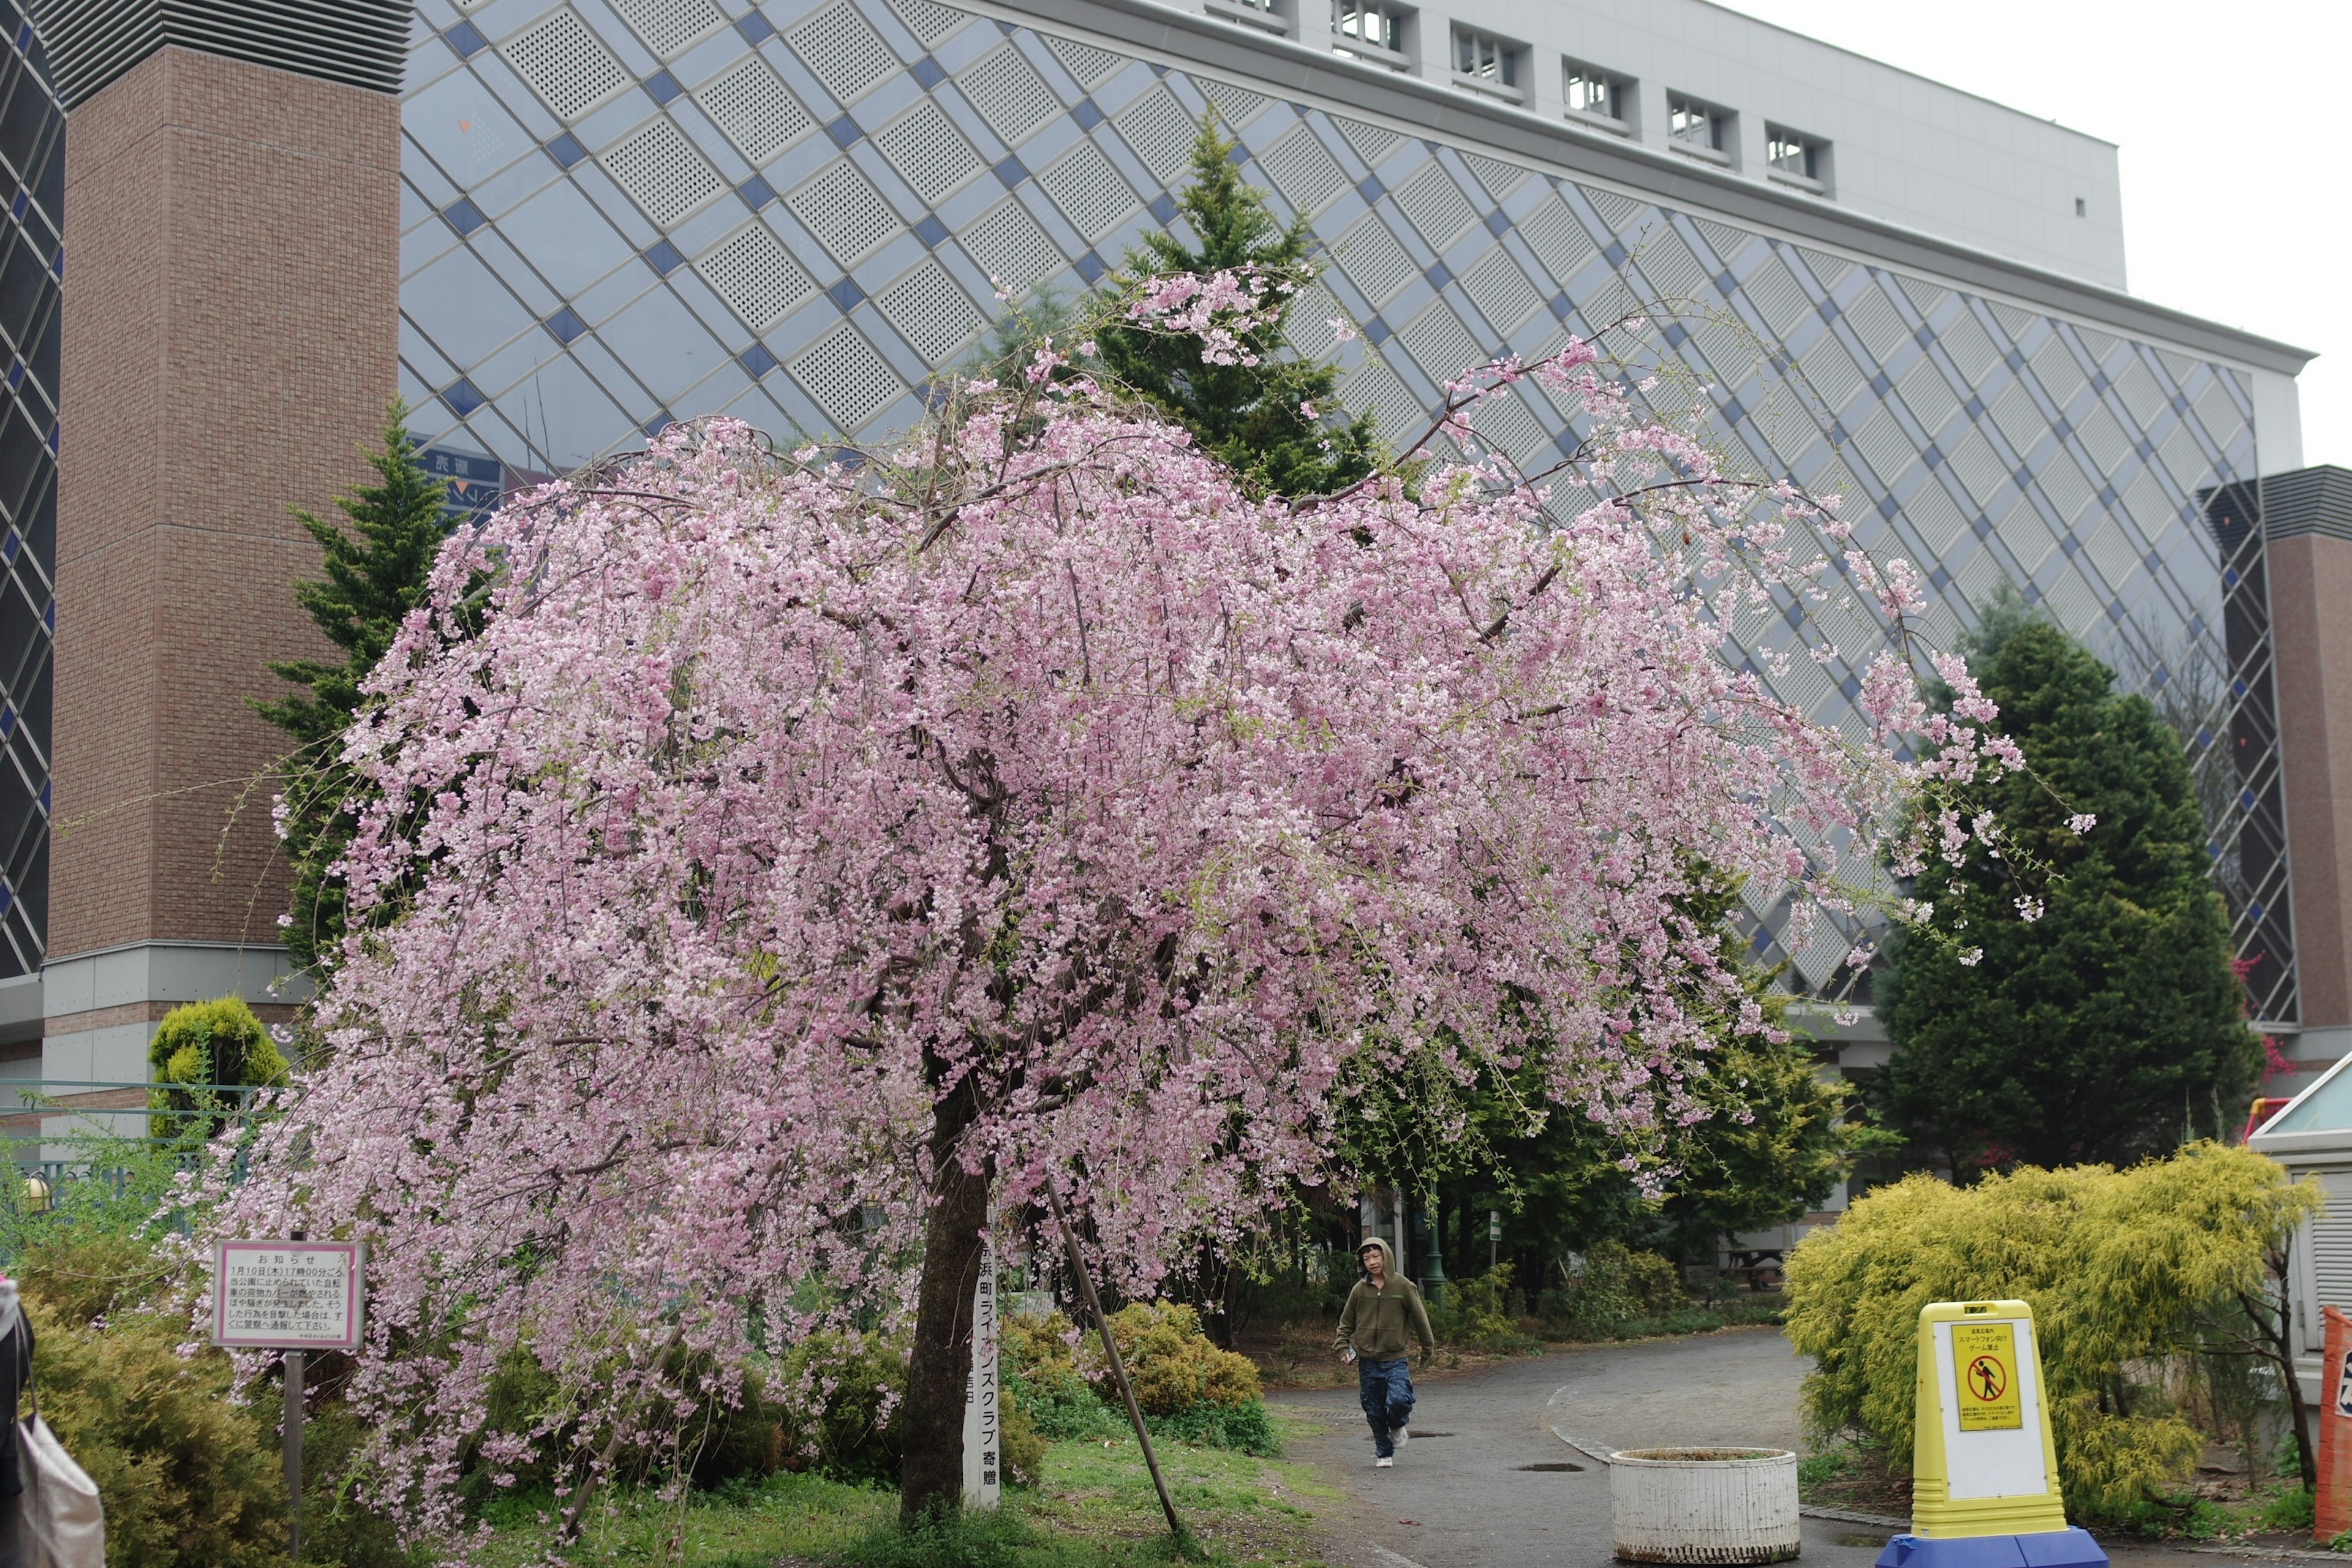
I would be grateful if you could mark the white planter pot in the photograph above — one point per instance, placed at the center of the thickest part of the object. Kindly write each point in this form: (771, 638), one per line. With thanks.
(1704, 1505)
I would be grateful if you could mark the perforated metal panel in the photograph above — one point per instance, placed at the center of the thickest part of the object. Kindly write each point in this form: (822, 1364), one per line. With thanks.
(1499, 178)
(844, 210)
(1236, 105)
(846, 377)
(933, 315)
(1304, 171)
(1884, 447)
(2104, 439)
(752, 107)
(1436, 206)
(1827, 270)
(663, 174)
(1617, 210)
(1930, 396)
(1373, 261)
(667, 26)
(1159, 131)
(844, 51)
(1829, 370)
(1559, 240)
(1399, 413)
(1088, 190)
(2062, 482)
(1008, 245)
(2218, 415)
(1009, 94)
(932, 24)
(1498, 286)
(928, 151)
(1672, 269)
(2015, 416)
(750, 270)
(1088, 64)
(1440, 343)
(1971, 348)
(2060, 377)
(1979, 467)
(1373, 143)
(1777, 295)
(1727, 243)
(567, 65)
(1873, 320)
(1507, 425)
(2185, 459)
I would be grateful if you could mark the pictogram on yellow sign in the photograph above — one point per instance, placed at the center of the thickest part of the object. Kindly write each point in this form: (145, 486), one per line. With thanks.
(1985, 1357)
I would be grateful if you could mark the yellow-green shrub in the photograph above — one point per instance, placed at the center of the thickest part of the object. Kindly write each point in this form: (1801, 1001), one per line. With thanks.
(2117, 1265)
(1020, 1442)
(189, 1479)
(1171, 1363)
(220, 1042)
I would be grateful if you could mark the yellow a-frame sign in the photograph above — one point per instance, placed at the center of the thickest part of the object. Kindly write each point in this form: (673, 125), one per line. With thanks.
(1984, 1467)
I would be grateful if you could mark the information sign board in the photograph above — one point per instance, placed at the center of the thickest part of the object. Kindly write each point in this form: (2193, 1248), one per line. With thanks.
(287, 1295)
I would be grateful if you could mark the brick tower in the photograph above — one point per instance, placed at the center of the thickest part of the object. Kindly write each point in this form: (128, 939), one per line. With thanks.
(230, 338)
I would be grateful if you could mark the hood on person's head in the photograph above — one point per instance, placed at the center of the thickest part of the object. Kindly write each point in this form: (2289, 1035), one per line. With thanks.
(1388, 1256)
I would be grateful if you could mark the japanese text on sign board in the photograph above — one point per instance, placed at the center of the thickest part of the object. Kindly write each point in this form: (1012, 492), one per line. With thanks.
(1984, 1361)
(288, 1295)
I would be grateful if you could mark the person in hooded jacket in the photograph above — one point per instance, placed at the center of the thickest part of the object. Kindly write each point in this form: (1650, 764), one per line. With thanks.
(1383, 1316)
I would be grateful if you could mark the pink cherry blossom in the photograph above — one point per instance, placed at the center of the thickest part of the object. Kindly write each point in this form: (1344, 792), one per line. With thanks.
(1024, 800)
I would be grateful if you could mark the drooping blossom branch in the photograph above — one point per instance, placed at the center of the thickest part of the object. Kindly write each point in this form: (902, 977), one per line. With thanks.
(781, 839)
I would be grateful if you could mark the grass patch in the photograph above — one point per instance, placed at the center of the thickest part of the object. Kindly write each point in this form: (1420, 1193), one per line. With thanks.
(1097, 1509)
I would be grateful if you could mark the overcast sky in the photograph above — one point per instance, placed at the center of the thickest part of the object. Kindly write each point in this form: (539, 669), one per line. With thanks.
(2234, 166)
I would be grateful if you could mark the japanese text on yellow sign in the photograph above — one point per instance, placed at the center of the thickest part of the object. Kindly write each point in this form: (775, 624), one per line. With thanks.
(1984, 1358)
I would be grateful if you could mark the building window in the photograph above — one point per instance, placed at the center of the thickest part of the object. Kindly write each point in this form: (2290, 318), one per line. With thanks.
(1592, 94)
(1796, 158)
(1692, 125)
(1485, 63)
(1266, 13)
(1370, 30)
(2082, 207)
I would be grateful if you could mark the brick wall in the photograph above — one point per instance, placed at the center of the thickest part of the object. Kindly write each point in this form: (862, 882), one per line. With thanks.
(230, 338)
(2311, 610)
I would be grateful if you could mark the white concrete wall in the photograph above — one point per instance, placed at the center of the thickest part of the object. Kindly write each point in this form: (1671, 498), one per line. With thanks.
(1901, 148)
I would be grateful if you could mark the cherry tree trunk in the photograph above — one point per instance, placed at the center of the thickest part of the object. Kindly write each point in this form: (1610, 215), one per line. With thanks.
(931, 1421)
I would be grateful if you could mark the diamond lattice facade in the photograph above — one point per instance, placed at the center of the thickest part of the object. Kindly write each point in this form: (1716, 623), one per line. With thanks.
(622, 215)
(610, 214)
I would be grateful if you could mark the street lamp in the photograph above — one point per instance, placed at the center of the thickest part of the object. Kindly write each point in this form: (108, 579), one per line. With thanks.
(1432, 1277)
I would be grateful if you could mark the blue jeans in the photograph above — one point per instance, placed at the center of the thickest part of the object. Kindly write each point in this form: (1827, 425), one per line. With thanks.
(1387, 1391)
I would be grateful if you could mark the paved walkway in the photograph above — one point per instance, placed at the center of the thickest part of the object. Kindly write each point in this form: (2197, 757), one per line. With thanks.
(1491, 1480)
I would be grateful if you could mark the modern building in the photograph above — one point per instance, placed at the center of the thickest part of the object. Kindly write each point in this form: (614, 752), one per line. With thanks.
(556, 225)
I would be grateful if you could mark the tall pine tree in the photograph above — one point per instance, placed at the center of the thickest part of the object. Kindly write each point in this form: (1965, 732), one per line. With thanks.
(1277, 423)
(2111, 1027)
(377, 563)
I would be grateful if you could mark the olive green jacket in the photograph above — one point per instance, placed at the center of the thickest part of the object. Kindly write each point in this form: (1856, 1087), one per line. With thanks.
(1382, 1323)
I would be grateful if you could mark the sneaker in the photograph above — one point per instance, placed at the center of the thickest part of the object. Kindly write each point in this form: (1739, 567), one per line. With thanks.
(1402, 1435)
(1384, 1464)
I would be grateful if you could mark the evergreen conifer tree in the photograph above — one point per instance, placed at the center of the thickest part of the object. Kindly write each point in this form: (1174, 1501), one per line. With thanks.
(2111, 1027)
(1255, 416)
(377, 563)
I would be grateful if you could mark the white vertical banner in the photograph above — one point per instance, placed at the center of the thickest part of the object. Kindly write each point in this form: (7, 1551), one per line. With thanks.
(983, 1424)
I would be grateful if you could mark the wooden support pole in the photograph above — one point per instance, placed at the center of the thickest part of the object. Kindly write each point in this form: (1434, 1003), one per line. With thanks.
(1117, 1367)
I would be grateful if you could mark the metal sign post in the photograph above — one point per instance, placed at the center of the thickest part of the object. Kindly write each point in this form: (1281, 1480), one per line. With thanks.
(295, 1297)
